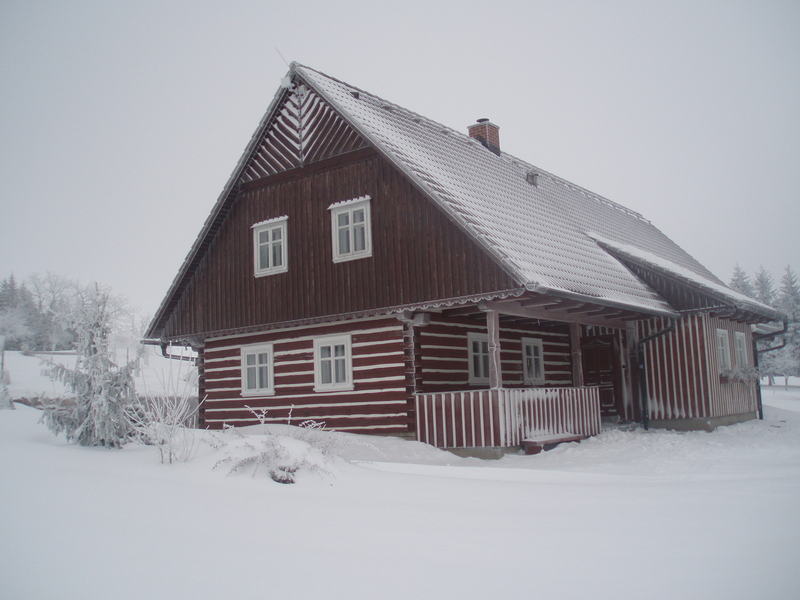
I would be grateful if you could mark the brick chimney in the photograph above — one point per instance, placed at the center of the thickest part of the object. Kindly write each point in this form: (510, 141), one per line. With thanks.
(487, 133)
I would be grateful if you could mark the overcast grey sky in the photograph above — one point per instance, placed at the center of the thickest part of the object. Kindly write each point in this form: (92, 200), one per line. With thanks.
(120, 122)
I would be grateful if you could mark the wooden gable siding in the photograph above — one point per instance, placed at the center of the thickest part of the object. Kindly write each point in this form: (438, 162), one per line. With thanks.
(418, 255)
(303, 130)
(377, 403)
(444, 353)
(683, 376)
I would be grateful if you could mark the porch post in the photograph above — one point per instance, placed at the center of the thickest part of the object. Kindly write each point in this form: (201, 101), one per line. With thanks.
(577, 355)
(495, 367)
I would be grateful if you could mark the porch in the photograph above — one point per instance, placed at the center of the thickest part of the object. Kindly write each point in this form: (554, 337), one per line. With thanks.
(504, 417)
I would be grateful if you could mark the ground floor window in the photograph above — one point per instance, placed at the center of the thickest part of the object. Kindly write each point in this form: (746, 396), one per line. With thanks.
(257, 374)
(723, 350)
(740, 349)
(533, 360)
(478, 357)
(333, 363)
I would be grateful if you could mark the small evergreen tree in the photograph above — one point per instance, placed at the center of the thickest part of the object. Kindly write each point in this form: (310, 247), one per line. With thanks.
(764, 287)
(740, 281)
(103, 391)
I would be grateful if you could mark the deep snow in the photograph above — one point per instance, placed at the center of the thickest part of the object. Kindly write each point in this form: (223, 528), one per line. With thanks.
(627, 514)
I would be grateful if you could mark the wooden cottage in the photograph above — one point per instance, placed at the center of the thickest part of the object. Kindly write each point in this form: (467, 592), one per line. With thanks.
(374, 270)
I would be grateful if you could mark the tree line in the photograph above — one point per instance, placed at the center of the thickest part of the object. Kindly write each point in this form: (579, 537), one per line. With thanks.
(39, 314)
(786, 298)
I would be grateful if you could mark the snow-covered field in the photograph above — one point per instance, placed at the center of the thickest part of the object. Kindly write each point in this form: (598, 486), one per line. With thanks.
(628, 514)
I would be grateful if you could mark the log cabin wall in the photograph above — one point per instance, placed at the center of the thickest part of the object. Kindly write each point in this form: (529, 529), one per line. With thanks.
(376, 404)
(444, 353)
(418, 253)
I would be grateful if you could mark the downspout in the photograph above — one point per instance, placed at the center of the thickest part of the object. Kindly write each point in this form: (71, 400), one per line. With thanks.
(760, 337)
(641, 370)
(166, 354)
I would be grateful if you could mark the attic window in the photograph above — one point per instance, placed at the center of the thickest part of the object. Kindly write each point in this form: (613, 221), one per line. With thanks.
(532, 177)
(269, 247)
(351, 229)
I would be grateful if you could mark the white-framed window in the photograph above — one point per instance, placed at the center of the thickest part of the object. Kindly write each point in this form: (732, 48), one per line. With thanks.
(532, 361)
(351, 229)
(333, 363)
(740, 348)
(478, 357)
(723, 350)
(269, 247)
(257, 373)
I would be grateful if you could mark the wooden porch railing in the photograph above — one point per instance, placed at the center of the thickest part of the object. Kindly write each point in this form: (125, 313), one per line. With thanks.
(504, 417)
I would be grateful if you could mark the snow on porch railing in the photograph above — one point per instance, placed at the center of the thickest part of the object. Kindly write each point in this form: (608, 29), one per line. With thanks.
(504, 417)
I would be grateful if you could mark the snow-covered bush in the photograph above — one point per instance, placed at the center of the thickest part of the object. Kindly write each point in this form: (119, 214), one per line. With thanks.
(166, 423)
(166, 418)
(97, 414)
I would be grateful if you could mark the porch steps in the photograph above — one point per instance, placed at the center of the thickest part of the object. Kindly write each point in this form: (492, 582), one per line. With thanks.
(535, 444)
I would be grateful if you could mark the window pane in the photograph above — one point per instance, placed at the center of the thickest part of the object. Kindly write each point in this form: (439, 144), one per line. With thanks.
(325, 351)
(263, 377)
(263, 237)
(263, 256)
(339, 350)
(250, 359)
(341, 374)
(343, 219)
(277, 254)
(251, 378)
(276, 234)
(359, 238)
(485, 363)
(325, 371)
(344, 241)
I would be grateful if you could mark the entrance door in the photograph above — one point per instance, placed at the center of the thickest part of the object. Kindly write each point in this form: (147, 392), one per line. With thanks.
(602, 368)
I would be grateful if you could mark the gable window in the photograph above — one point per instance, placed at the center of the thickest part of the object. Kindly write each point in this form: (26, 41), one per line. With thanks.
(478, 357)
(257, 374)
(333, 363)
(723, 350)
(533, 360)
(351, 231)
(740, 348)
(269, 247)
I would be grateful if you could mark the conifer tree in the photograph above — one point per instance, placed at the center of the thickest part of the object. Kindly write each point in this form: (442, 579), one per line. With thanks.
(764, 286)
(103, 390)
(740, 281)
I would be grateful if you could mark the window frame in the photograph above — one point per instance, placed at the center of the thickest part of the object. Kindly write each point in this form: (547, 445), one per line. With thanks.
(723, 349)
(255, 350)
(740, 349)
(279, 223)
(349, 207)
(331, 341)
(539, 344)
(481, 338)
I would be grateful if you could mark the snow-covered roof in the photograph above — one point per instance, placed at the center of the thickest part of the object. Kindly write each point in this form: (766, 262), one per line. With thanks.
(544, 231)
(539, 233)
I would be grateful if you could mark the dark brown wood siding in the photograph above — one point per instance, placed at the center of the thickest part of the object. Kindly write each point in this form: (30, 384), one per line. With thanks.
(418, 254)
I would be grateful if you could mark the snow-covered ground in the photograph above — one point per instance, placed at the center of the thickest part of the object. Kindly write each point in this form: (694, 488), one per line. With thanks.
(627, 514)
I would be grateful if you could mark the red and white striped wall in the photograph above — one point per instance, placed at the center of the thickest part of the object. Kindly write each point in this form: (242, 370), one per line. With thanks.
(378, 402)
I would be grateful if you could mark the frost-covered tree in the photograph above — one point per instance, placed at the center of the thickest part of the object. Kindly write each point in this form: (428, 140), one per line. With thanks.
(103, 391)
(764, 286)
(17, 313)
(54, 297)
(786, 362)
(5, 397)
(740, 281)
